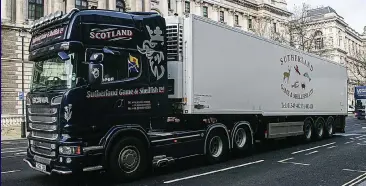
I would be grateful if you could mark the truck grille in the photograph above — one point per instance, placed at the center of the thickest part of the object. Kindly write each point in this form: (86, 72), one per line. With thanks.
(175, 42)
(43, 125)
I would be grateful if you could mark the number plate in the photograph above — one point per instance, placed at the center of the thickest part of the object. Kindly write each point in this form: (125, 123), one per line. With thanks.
(41, 167)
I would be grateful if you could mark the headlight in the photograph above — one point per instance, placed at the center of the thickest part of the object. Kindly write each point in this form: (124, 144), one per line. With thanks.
(69, 150)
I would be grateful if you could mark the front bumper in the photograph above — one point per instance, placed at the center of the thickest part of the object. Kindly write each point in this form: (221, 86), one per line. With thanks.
(46, 165)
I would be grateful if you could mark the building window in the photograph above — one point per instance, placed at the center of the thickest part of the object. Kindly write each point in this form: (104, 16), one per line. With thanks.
(236, 20)
(120, 5)
(273, 2)
(187, 8)
(205, 11)
(169, 5)
(35, 9)
(222, 16)
(81, 4)
(274, 27)
(319, 44)
(250, 23)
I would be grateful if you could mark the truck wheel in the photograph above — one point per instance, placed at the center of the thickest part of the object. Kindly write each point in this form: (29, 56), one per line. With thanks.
(128, 159)
(329, 127)
(319, 128)
(217, 147)
(308, 130)
(241, 140)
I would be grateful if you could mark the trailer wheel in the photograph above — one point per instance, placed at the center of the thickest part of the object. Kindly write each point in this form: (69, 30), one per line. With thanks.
(319, 128)
(308, 130)
(329, 127)
(128, 159)
(217, 147)
(241, 140)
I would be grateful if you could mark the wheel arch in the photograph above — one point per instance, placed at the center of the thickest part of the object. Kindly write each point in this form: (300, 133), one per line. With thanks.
(319, 118)
(236, 126)
(117, 132)
(216, 127)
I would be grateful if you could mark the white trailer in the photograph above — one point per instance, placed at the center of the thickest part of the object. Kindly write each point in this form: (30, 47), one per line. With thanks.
(226, 71)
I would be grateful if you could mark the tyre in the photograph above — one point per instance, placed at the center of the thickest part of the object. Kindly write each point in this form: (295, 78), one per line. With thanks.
(319, 128)
(217, 147)
(241, 140)
(128, 159)
(308, 130)
(329, 127)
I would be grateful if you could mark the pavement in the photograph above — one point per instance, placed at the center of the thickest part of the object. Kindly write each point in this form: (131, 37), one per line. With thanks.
(336, 161)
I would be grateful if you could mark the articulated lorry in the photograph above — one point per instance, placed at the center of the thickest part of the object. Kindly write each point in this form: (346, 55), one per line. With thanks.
(126, 92)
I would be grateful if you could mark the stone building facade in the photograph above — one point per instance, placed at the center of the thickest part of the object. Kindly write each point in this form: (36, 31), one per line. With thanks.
(336, 40)
(264, 17)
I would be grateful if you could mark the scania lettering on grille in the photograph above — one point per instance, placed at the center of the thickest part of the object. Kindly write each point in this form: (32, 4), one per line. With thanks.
(38, 100)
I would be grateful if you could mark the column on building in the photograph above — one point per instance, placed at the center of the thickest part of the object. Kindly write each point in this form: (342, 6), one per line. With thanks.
(111, 4)
(4, 4)
(198, 8)
(215, 13)
(180, 9)
(147, 7)
(20, 11)
(230, 19)
(70, 4)
(102, 4)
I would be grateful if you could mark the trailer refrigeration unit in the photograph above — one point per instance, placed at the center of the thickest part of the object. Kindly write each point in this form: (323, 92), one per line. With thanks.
(123, 92)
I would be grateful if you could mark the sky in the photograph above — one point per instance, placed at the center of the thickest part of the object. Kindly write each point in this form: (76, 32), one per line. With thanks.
(353, 11)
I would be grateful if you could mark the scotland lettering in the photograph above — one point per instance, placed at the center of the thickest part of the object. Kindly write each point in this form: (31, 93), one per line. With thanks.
(124, 92)
(110, 34)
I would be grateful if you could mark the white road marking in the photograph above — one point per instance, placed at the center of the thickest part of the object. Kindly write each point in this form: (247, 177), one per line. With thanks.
(313, 148)
(331, 147)
(363, 127)
(354, 170)
(212, 172)
(311, 152)
(359, 180)
(295, 163)
(361, 143)
(6, 172)
(348, 142)
(12, 151)
(352, 181)
(285, 160)
(346, 135)
(361, 138)
(352, 138)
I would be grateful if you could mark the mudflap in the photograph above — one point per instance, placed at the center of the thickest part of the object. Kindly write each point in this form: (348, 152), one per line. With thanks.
(340, 124)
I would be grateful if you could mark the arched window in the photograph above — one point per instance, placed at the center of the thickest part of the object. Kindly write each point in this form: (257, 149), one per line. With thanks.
(319, 42)
(120, 6)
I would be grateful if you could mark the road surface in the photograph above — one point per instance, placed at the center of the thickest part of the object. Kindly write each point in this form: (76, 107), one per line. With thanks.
(339, 161)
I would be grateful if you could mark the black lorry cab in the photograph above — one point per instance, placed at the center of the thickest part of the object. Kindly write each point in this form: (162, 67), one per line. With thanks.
(96, 72)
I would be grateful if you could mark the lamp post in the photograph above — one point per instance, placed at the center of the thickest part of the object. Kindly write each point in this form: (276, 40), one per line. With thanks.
(22, 127)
